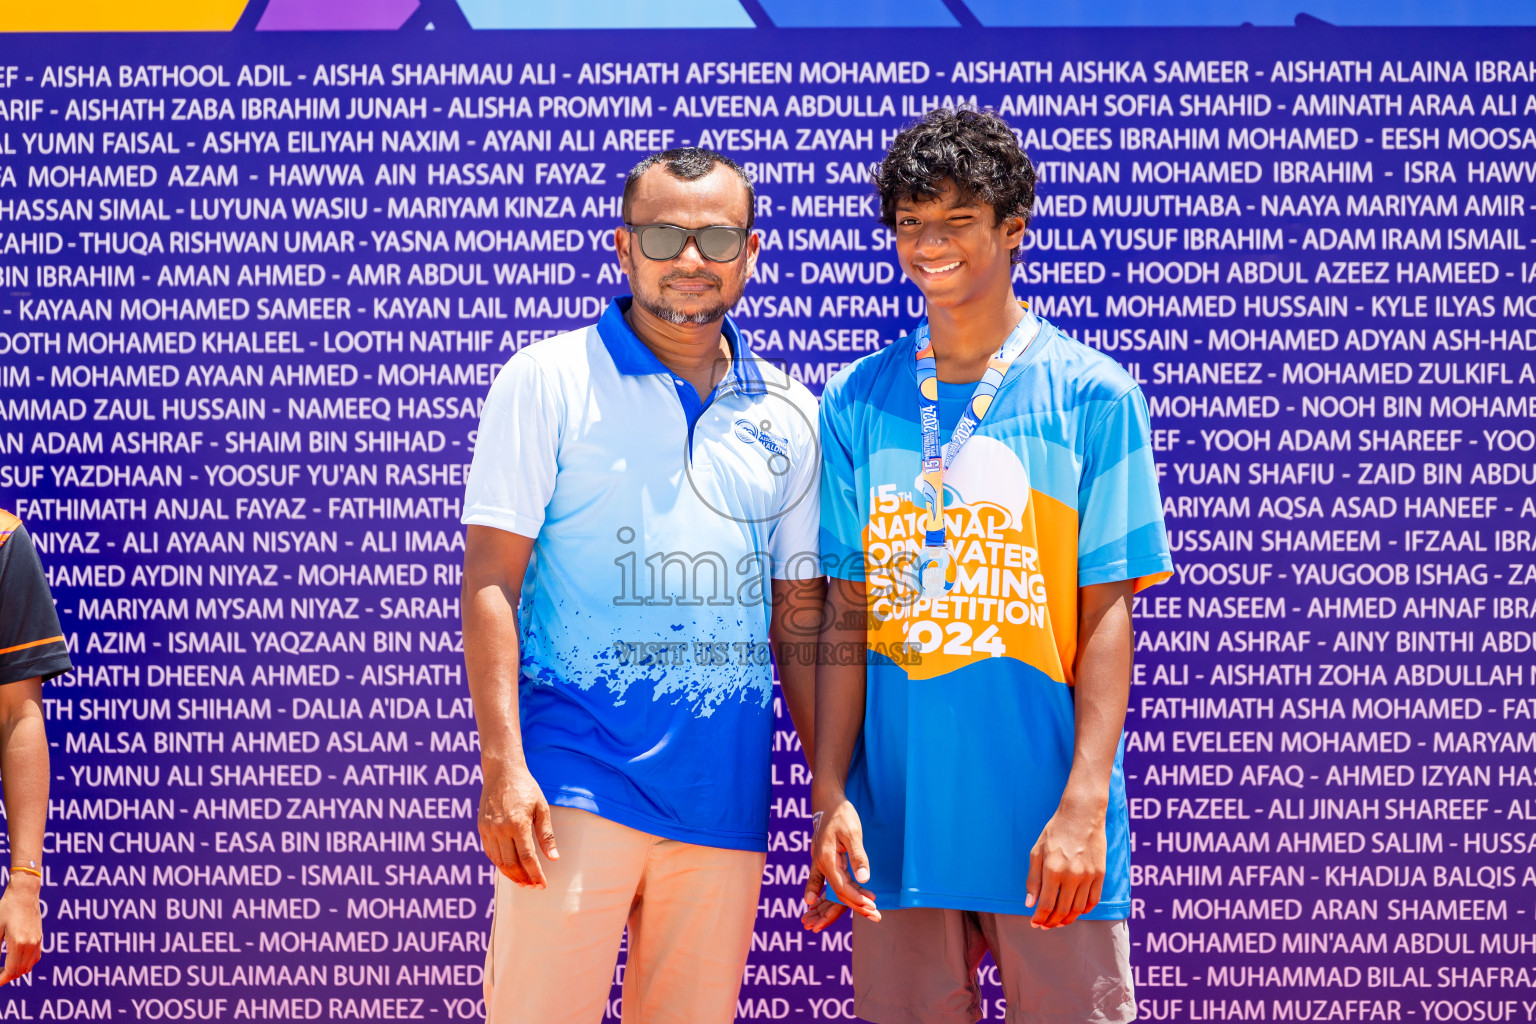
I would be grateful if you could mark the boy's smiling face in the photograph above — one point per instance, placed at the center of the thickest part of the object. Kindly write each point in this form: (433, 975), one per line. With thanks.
(954, 249)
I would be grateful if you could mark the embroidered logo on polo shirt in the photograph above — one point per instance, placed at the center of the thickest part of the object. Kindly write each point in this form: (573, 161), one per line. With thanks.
(760, 434)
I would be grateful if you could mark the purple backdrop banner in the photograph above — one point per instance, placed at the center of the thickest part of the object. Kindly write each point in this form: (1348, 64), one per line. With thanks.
(254, 288)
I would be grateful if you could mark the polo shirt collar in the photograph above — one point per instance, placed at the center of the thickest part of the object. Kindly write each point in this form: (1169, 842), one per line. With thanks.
(631, 356)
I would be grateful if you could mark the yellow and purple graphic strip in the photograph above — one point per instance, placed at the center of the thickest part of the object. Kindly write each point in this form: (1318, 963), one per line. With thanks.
(390, 15)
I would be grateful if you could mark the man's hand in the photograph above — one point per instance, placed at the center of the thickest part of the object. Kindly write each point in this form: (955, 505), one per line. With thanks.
(838, 833)
(515, 824)
(1066, 867)
(820, 912)
(21, 926)
(514, 816)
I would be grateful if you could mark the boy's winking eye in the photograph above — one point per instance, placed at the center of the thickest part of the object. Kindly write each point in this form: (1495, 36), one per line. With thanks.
(959, 215)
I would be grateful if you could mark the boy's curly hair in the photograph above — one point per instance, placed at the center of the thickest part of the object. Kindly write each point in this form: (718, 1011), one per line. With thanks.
(974, 149)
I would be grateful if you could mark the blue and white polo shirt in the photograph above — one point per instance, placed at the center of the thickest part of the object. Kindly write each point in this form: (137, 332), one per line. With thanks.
(659, 519)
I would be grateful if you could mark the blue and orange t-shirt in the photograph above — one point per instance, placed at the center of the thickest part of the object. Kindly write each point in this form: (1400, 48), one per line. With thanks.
(969, 725)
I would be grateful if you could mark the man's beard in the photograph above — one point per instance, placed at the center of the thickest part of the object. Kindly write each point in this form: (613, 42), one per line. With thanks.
(659, 309)
(662, 311)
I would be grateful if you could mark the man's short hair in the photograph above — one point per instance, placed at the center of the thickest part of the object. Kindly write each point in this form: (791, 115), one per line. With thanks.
(689, 163)
(974, 149)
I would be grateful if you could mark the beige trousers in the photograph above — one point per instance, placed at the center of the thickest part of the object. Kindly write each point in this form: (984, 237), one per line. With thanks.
(552, 952)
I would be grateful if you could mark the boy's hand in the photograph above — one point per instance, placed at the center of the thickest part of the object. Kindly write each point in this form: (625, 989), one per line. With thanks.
(1067, 865)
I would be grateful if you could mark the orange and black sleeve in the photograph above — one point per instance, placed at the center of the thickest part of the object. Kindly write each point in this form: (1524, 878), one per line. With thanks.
(31, 642)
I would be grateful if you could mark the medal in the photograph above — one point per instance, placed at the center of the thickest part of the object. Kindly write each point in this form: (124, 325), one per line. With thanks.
(933, 569)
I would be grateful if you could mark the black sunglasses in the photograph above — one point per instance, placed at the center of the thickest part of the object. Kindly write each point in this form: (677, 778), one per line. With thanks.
(716, 243)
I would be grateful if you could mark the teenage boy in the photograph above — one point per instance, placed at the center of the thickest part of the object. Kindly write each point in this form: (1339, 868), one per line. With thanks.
(989, 506)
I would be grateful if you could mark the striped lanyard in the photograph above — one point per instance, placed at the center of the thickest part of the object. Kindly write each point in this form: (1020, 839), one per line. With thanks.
(934, 573)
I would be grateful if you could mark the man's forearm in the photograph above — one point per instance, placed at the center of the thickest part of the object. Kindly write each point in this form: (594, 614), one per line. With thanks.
(1101, 692)
(24, 769)
(798, 606)
(491, 659)
(797, 679)
(840, 691)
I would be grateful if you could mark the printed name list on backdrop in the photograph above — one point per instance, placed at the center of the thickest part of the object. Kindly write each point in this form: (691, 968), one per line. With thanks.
(254, 290)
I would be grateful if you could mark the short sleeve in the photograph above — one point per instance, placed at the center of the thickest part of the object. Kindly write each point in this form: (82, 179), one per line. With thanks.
(794, 542)
(1120, 515)
(842, 512)
(31, 641)
(512, 475)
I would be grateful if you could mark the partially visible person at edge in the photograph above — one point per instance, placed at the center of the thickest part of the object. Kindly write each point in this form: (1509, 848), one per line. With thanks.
(32, 651)
(642, 525)
(968, 785)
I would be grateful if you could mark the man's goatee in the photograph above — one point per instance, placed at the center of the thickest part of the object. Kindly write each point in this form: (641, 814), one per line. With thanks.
(662, 311)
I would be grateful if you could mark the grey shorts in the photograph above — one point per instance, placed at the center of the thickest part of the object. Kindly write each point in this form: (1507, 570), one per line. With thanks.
(918, 966)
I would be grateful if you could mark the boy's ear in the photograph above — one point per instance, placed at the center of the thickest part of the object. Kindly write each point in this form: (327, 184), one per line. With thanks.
(1014, 228)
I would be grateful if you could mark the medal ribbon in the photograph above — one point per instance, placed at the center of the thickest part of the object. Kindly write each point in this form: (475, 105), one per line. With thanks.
(935, 460)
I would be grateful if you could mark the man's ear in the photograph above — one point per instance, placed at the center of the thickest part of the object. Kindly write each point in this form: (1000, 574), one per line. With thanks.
(621, 240)
(754, 247)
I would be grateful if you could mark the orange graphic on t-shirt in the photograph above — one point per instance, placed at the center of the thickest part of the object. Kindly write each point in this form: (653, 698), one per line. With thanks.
(1014, 592)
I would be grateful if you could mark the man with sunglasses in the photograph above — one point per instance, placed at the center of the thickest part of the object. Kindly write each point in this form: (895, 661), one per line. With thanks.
(642, 530)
